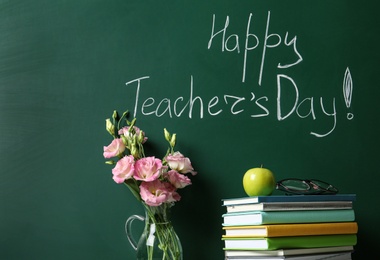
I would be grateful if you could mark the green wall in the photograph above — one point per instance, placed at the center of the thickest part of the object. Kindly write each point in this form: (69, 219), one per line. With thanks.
(266, 90)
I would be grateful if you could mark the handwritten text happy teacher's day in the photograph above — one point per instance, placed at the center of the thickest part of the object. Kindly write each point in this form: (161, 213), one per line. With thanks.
(231, 43)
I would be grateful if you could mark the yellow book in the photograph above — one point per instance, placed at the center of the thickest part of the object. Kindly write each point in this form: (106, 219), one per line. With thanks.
(280, 230)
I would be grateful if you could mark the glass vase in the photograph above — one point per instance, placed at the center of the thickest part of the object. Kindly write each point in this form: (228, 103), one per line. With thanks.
(159, 241)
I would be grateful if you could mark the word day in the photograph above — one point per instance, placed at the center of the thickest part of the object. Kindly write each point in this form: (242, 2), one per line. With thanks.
(184, 106)
(232, 43)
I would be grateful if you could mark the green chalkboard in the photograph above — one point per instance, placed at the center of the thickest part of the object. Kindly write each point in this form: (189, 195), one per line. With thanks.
(291, 85)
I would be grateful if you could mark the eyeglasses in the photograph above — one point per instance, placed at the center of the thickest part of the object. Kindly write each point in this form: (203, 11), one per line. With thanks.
(305, 187)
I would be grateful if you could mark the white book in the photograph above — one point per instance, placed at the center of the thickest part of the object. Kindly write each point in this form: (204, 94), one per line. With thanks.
(247, 254)
(331, 256)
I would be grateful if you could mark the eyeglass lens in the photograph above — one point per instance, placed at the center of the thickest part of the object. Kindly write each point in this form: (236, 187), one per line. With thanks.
(295, 185)
(298, 186)
(324, 186)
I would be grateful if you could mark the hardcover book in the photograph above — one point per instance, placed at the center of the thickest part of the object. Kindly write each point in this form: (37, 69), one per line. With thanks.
(281, 230)
(289, 198)
(284, 217)
(274, 243)
(281, 206)
(288, 252)
(330, 256)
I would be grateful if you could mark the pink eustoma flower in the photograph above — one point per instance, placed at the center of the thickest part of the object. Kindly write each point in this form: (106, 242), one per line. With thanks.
(114, 149)
(173, 195)
(124, 169)
(178, 180)
(154, 193)
(148, 169)
(180, 163)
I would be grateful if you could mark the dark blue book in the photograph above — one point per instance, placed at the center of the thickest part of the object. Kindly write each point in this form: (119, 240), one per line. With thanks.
(288, 198)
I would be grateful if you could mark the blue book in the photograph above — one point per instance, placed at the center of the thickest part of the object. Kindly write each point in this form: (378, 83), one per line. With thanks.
(289, 198)
(282, 217)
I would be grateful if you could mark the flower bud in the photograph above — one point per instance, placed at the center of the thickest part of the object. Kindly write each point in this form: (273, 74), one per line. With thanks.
(125, 140)
(140, 138)
(125, 114)
(167, 135)
(114, 115)
(110, 162)
(110, 127)
(133, 140)
(132, 123)
(173, 140)
(134, 152)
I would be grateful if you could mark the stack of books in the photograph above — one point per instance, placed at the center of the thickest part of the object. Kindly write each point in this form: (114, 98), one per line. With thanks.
(290, 227)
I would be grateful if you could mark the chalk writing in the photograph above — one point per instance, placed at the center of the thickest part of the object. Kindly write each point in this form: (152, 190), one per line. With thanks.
(347, 91)
(252, 41)
(228, 103)
(249, 104)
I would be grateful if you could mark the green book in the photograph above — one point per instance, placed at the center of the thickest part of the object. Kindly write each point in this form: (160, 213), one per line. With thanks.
(275, 243)
(282, 217)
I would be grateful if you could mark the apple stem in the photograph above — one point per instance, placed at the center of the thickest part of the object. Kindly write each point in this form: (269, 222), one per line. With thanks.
(261, 166)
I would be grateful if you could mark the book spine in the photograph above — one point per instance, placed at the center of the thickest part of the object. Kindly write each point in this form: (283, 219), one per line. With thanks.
(282, 230)
(307, 198)
(311, 241)
(311, 229)
(307, 216)
(292, 198)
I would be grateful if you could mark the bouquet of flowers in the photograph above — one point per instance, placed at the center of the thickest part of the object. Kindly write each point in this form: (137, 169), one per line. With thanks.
(151, 180)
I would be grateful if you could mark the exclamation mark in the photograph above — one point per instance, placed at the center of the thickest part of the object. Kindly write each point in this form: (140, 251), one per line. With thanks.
(347, 91)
